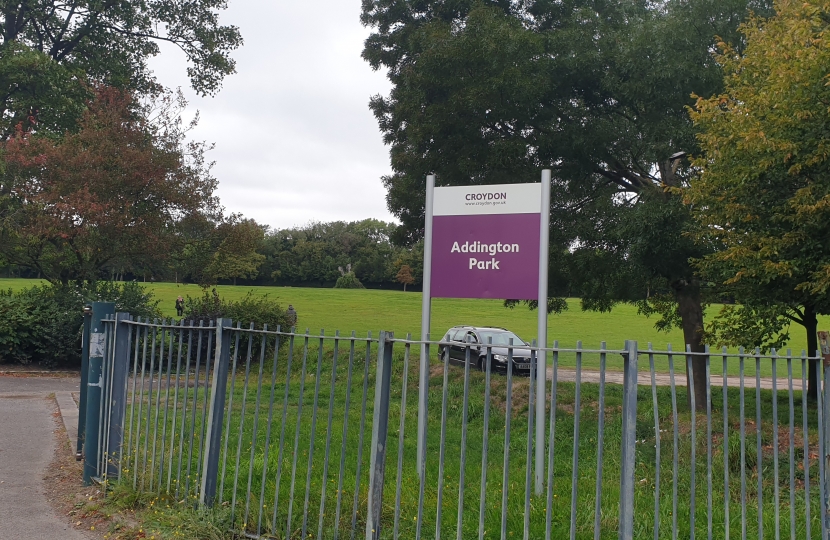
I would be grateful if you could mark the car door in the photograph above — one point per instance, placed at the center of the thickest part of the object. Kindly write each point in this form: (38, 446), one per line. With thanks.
(461, 350)
(457, 348)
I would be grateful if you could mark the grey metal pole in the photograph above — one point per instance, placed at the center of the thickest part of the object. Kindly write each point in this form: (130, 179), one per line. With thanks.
(380, 429)
(79, 451)
(118, 397)
(629, 438)
(97, 346)
(426, 304)
(542, 333)
(213, 433)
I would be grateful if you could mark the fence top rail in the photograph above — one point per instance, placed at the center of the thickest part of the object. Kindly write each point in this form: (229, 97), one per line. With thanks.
(534, 349)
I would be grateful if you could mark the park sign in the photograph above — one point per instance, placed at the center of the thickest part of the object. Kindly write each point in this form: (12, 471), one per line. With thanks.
(485, 241)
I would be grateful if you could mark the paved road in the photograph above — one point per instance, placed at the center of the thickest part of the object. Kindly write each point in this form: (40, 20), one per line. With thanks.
(27, 443)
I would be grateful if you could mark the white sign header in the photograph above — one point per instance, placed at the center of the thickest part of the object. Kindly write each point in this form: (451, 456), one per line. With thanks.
(493, 199)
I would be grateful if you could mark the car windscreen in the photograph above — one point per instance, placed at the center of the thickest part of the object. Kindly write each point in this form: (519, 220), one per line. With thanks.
(501, 339)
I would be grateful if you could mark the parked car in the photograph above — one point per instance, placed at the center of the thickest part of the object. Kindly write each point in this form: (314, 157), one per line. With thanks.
(476, 339)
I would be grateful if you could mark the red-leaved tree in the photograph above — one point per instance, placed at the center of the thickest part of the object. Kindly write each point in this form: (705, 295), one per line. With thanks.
(107, 195)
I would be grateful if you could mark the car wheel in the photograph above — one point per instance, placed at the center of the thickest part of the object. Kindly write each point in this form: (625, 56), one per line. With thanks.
(482, 364)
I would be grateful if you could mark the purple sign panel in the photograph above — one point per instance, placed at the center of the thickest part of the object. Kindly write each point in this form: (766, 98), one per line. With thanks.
(486, 256)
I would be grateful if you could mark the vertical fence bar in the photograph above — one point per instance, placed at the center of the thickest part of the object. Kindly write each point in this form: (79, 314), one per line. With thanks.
(192, 436)
(629, 439)
(806, 446)
(758, 450)
(380, 428)
(742, 362)
(401, 426)
(725, 388)
(676, 442)
(329, 430)
(313, 433)
(464, 409)
(776, 492)
(442, 443)
(175, 406)
(551, 440)
(250, 338)
(229, 414)
(824, 427)
(485, 439)
(268, 431)
(296, 438)
(508, 414)
(575, 457)
(344, 438)
(690, 380)
(791, 441)
(278, 479)
(137, 331)
(171, 335)
(120, 371)
(600, 443)
(206, 403)
(145, 460)
(184, 409)
(213, 434)
(657, 459)
(422, 466)
(709, 445)
(263, 344)
(530, 414)
(163, 332)
(362, 432)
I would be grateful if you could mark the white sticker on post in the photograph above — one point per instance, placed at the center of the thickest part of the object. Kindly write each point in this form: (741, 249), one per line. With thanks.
(97, 342)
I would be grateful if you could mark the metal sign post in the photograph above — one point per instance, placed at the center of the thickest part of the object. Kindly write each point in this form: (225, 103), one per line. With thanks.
(542, 332)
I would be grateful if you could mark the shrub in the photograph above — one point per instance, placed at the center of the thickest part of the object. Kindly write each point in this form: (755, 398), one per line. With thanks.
(257, 309)
(44, 323)
(348, 281)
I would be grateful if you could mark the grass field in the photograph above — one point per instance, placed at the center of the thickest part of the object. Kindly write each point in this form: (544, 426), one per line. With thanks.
(282, 423)
(375, 310)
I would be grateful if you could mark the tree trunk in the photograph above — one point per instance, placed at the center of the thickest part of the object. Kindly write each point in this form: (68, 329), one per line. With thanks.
(691, 314)
(811, 325)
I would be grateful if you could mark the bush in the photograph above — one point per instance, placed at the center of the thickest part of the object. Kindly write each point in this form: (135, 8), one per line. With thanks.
(348, 281)
(251, 309)
(44, 323)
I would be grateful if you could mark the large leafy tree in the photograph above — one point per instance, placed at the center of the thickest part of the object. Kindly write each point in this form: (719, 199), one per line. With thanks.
(110, 194)
(51, 49)
(763, 196)
(493, 91)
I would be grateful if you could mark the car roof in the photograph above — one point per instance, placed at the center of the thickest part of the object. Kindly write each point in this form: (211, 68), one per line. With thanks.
(479, 328)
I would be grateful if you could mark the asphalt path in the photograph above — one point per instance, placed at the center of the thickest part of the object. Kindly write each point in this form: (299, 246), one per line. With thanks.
(27, 444)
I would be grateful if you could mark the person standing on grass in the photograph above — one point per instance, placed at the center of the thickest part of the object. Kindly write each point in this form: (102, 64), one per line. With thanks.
(179, 306)
(291, 316)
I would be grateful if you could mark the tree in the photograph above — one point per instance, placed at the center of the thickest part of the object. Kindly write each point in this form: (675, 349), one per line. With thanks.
(50, 51)
(112, 192)
(763, 191)
(404, 276)
(236, 255)
(493, 91)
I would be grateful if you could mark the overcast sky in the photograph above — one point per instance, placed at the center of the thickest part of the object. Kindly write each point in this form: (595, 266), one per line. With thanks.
(295, 139)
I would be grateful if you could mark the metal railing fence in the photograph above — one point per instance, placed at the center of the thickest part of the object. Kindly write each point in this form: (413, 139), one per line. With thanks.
(305, 435)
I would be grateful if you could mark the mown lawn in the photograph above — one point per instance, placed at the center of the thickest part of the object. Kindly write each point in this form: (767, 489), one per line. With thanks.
(375, 310)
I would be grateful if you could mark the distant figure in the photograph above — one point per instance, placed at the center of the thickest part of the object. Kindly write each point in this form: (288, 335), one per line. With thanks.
(179, 306)
(291, 316)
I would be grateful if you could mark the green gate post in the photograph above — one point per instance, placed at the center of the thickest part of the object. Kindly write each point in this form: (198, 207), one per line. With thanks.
(94, 387)
(79, 455)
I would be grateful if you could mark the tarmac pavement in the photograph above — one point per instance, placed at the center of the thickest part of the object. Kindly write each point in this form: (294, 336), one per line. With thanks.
(27, 444)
